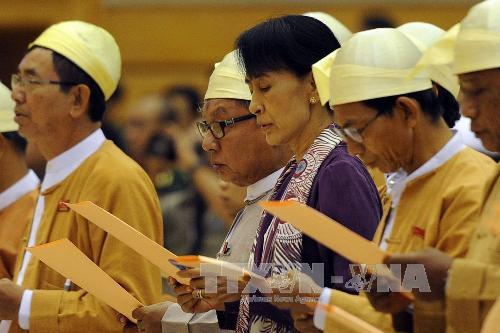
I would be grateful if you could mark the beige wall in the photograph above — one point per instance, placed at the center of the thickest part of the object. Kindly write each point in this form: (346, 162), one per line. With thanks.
(164, 45)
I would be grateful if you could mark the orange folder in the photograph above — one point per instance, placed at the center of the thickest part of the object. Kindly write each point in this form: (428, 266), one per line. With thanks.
(326, 231)
(211, 266)
(66, 259)
(149, 249)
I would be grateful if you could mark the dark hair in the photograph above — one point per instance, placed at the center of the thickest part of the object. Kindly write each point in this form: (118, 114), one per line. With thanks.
(17, 140)
(70, 72)
(189, 93)
(292, 42)
(450, 105)
(433, 106)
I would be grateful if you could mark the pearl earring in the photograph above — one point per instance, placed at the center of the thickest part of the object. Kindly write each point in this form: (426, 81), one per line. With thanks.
(313, 100)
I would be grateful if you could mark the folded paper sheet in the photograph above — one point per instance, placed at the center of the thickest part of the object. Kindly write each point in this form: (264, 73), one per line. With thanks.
(332, 234)
(210, 266)
(66, 259)
(326, 231)
(149, 249)
(345, 319)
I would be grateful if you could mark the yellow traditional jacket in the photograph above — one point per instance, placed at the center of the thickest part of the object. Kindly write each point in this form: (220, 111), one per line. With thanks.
(113, 181)
(474, 282)
(13, 222)
(439, 209)
(492, 319)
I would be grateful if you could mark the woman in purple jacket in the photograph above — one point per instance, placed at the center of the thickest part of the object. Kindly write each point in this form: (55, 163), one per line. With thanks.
(277, 56)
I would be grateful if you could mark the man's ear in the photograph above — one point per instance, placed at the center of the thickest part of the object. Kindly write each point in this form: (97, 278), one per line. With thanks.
(410, 108)
(80, 100)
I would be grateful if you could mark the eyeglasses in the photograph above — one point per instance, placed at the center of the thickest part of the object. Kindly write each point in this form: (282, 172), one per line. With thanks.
(217, 127)
(353, 133)
(16, 80)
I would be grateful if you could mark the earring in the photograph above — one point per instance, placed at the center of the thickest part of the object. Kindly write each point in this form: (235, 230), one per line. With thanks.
(313, 100)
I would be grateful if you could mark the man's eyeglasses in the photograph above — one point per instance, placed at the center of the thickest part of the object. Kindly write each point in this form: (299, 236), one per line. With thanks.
(353, 133)
(17, 80)
(217, 127)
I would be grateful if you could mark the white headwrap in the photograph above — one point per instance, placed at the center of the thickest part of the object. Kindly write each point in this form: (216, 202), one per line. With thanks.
(339, 30)
(7, 105)
(228, 80)
(373, 64)
(425, 35)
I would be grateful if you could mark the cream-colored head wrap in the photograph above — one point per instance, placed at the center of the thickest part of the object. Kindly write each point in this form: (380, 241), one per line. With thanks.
(228, 80)
(339, 30)
(7, 105)
(425, 35)
(478, 41)
(373, 64)
(90, 47)
(321, 73)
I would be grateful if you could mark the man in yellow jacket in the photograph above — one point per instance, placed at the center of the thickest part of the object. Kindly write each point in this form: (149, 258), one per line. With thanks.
(60, 90)
(18, 186)
(471, 285)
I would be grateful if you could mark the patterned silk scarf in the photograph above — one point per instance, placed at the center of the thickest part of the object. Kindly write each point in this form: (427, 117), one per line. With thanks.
(282, 243)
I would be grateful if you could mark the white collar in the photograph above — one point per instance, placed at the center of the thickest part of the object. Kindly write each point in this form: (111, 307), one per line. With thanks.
(23, 186)
(262, 186)
(64, 164)
(396, 181)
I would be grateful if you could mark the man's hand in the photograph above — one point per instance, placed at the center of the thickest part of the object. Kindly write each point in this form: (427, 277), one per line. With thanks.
(436, 265)
(149, 317)
(387, 301)
(303, 322)
(196, 299)
(10, 299)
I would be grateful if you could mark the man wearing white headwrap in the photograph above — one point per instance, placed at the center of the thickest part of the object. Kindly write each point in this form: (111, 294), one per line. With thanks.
(240, 154)
(396, 124)
(425, 35)
(18, 186)
(60, 90)
(473, 283)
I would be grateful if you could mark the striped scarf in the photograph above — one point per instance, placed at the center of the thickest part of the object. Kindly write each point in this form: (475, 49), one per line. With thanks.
(282, 243)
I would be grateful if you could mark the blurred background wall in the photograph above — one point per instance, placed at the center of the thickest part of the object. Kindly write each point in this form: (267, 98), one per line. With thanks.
(171, 42)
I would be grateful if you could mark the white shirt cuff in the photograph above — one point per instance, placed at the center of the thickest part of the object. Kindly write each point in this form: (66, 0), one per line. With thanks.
(320, 314)
(25, 310)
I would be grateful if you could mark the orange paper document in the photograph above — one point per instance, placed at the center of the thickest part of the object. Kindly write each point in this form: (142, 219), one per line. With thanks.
(326, 231)
(347, 320)
(210, 266)
(149, 249)
(66, 259)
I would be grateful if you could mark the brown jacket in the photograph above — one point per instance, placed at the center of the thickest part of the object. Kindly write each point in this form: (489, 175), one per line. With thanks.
(113, 181)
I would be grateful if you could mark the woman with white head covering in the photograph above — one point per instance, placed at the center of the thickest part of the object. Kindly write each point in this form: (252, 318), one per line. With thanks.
(395, 123)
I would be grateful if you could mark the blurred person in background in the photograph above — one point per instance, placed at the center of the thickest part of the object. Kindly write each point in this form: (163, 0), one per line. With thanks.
(18, 186)
(143, 120)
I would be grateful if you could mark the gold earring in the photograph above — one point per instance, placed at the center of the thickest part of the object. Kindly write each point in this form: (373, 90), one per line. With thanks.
(313, 100)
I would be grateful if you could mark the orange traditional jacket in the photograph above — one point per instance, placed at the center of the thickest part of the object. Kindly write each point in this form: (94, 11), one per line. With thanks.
(439, 209)
(13, 222)
(113, 181)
